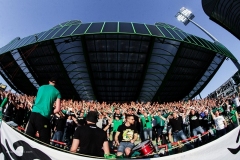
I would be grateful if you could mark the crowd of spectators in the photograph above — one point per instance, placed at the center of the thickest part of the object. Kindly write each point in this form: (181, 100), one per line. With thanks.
(161, 123)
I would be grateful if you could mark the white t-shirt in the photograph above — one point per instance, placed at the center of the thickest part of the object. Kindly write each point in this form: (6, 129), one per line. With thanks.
(219, 122)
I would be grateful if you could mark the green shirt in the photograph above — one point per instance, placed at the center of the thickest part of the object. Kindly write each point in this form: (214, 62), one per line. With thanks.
(233, 116)
(146, 122)
(46, 96)
(116, 124)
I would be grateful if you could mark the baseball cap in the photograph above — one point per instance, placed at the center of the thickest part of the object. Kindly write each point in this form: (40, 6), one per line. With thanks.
(92, 116)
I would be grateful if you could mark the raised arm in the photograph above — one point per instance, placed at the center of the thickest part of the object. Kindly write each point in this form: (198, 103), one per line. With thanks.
(213, 116)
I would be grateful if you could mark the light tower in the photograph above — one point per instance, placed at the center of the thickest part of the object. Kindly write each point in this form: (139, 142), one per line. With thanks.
(185, 16)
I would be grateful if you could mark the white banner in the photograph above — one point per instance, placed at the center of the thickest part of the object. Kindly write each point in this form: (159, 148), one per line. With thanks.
(16, 146)
(226, 89)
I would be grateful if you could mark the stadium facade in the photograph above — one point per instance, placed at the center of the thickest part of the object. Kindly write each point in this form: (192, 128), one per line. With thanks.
(224, 13)
(113, 61)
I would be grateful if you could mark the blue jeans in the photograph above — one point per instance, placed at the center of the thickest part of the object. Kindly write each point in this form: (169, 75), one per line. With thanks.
(147, 132)
(123, 145)
(187, 130)
(57, 137)
(196, 130)
(178, 136)
(181, 136)
(64, 134)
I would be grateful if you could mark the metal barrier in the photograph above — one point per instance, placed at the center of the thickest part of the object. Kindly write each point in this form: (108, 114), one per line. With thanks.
(61, 143)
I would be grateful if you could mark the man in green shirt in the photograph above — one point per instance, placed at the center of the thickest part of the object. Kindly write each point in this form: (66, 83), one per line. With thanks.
(146, 122)
(160, 121)
(234, 119)
(118, 121)
(39, 121)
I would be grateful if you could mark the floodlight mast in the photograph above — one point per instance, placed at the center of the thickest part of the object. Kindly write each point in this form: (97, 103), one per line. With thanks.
(186, 16)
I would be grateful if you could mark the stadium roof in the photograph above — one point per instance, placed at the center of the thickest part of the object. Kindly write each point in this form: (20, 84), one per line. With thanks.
(226, 13)
(113, 61)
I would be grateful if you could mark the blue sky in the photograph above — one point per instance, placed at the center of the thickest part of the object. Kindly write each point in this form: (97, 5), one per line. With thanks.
(24, 18)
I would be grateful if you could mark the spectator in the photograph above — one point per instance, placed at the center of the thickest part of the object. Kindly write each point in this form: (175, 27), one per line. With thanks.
(68, 131)
(59, 128)
(195, 123)
(81, 120)
(186, 123)
(40, 117)
(8, 108)
(90, 138)
(118, 121)
(206, 122)
(117, 113)
(104, 120)
(126, 136)
(146, 122)
(233, 117)
(220, 124)
(20, 114)
(160, 123)
(177, 129)
(236, 102)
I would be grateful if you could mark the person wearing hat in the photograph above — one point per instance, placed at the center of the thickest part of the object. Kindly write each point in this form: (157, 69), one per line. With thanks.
(91, 139)
(39, 121)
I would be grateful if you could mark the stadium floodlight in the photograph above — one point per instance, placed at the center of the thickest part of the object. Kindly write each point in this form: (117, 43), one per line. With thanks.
(185, 16)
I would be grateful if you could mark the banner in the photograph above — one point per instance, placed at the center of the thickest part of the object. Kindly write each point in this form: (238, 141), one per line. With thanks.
(16, 146)
(226, 89)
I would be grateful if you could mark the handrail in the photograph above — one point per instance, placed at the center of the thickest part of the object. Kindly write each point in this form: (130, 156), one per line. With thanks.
(61, 143)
